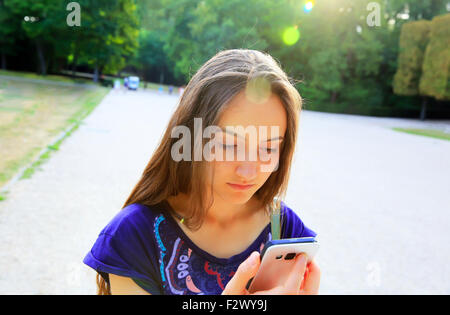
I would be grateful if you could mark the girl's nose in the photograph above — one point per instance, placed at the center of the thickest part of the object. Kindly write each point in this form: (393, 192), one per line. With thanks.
(247, 171)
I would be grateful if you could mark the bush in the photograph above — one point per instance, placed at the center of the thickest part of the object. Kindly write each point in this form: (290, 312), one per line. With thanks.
(414, 39)
(107, 82)
(435, 80)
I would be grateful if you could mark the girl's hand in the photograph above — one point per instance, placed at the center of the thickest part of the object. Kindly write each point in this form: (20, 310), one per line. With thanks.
(307, 283)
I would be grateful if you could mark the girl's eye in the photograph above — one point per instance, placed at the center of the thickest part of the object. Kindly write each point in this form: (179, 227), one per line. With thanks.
(228, 146)
(269, 150)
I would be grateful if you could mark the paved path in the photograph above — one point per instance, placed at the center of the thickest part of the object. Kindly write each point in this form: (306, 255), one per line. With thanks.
(378, 198)
(380, 201)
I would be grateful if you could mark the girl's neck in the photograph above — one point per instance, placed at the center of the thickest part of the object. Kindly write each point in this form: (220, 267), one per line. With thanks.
(221, 213)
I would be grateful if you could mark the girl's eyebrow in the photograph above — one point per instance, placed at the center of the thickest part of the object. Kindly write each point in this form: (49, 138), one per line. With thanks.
(273, 139)
(235, 134)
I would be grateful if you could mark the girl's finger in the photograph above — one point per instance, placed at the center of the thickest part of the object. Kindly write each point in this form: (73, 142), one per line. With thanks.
(292, 285)
(312, 281)
(279, 290)
(245, 271)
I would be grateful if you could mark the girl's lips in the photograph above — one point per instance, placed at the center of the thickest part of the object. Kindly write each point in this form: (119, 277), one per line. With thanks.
(240, 187)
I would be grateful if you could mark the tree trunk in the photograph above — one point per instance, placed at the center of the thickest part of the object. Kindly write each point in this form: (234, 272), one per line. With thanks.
(74, 63)
(100, 72)
(334, 96)
(3, 61)
(96, 73)
(423, 111)
(41, 57)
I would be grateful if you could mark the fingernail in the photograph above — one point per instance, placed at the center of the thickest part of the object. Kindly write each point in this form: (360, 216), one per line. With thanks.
(253, 259)
(302, 257)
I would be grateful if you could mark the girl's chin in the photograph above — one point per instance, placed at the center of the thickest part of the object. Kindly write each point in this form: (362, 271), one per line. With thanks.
(237, 197)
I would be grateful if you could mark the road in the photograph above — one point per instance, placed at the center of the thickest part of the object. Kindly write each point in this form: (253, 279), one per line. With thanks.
(379, 199)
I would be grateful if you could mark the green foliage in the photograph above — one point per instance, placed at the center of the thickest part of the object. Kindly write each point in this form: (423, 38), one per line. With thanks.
(150, 57)
(418, 9)
(10, 29)
(343, 63)
(414, 39)
(435, 80)
(50, 23)
(333, 56)
(199, 29)
(47, 32)
(109, 33)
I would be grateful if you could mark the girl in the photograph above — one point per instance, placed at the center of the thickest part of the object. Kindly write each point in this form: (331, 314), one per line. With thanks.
(196, 226)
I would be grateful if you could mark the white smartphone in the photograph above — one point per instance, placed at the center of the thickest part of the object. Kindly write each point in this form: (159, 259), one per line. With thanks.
(277, 260)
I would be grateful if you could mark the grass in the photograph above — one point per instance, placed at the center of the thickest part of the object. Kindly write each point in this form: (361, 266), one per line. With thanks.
(30, 75)
(32, 168)
(76, 120)
(51, 77)
(3, 195)
(433, 133)
(32, 114)
(46, 155)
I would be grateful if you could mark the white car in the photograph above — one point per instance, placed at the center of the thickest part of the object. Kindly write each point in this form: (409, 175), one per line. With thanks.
(133, 83)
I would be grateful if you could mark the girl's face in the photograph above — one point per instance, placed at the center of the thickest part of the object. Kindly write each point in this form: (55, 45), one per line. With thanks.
(268, 115)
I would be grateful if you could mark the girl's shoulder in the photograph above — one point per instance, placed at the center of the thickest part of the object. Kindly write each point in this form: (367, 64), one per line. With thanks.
(133, 218)
(292, 225)
(126, 247)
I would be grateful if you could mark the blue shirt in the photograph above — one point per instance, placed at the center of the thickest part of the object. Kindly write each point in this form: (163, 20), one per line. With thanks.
(146, 244)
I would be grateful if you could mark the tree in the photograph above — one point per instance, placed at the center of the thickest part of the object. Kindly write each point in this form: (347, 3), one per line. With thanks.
(10, 31)
(199, 29)
(150, 59)
(414, 39)
(413, 42)
(45, 26)
(416, 9)
(337, 51)
(435, 80)
(108, 34)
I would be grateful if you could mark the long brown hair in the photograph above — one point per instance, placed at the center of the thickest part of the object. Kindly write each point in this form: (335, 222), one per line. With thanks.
(206, 96)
